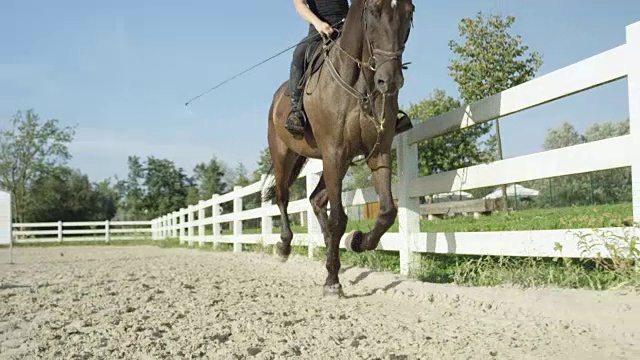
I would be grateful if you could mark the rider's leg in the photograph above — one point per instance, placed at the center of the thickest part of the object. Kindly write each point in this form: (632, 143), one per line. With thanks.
(294, 121)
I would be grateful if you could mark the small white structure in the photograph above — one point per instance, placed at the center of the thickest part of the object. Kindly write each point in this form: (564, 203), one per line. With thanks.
(450, 196)
(5, 218)
(515, 190)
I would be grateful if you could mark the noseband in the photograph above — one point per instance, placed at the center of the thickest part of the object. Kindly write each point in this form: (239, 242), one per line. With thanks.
(390, 55)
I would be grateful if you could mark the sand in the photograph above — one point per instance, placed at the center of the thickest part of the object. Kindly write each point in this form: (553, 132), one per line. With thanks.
(152, 303)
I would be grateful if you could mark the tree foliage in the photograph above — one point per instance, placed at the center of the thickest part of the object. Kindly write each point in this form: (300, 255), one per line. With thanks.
(154, 188)
(562, 136)
(28, 150)
(489, 59)
(209, 178)
(608, 186)
(65, 194)
(451, 151)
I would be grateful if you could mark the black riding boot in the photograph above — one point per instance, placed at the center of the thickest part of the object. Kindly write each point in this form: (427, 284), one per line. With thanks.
(404, 122)
(295, 120)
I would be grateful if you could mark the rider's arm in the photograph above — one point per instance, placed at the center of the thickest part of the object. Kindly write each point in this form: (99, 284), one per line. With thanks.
(310, 17)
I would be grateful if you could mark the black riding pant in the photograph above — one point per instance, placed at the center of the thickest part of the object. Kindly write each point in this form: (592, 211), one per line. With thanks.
(297, 64)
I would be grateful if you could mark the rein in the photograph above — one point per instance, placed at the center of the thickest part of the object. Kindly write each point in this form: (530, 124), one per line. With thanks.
(366, 99)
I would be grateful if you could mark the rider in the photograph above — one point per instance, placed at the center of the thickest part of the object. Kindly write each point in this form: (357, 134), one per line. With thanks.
(320, 14)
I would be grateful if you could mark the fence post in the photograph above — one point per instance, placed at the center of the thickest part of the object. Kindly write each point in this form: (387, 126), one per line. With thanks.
(190, 224)
(408, 208)
(181, 226)
(237, 224)
(633, 82)
(266, 221)
(59, 231)
(200, 223)
(163, 231)
(313, 226)
(216, 210)
(174, 223)
(107, 232)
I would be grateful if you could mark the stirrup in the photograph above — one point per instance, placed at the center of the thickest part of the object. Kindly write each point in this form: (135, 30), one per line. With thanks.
(297, 130)
(404, 123)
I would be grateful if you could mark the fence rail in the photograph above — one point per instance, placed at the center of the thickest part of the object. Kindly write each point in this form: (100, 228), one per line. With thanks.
(191, 225)
(25, 233)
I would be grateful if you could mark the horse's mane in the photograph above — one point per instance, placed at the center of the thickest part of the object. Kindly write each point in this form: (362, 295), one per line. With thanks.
(352, 30)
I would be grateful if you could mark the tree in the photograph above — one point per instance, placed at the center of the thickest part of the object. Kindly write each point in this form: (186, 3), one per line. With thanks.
(209, 178)
(451, 151)
(29, 149)
(105, 201)
(299, 188)
(263, 164)
(358, 177)
(563, 136)
(154, 188)
(490, 60)
(60, 194)
(240, 176)
(166, 185)
(608, 186)
(607, 130)
(131, 192)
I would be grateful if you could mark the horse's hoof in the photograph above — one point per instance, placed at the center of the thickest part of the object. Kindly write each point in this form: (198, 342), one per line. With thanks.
(353, 242)
(333, 291)
(283, 252)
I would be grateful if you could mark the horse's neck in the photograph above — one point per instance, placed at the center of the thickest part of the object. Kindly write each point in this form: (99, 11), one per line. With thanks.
(352, 42)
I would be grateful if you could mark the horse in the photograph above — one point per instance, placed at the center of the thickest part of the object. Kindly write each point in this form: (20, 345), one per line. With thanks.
(351, 106)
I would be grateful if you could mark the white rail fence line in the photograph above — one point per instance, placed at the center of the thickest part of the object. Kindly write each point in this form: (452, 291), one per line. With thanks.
(202, 223)
(107, 231)
(190, 224)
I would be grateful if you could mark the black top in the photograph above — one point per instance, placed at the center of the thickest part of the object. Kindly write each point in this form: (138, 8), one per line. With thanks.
(330, 11)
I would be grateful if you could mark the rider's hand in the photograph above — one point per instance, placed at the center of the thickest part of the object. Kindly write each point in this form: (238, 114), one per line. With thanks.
(324, 28)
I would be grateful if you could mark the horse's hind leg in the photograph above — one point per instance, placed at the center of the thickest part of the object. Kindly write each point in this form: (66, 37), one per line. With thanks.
(381, 169)
(286, 172)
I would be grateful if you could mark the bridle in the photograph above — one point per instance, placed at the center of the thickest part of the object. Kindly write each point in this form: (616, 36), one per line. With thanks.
(371, 62)
(366, 99)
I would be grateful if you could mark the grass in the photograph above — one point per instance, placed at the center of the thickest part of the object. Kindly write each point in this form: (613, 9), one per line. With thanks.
(615, 215)
(595, 274)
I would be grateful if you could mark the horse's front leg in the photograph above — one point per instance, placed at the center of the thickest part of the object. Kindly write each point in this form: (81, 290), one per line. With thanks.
(334, 171)
(381, 170)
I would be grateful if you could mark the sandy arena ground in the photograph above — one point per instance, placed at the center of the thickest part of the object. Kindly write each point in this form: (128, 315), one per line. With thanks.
(151, 303)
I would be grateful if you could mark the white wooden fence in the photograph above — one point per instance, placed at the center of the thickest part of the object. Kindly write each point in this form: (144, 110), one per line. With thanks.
(107, 231)
(191, 225)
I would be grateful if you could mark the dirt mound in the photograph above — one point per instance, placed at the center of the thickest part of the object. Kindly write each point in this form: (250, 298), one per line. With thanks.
(146, 302)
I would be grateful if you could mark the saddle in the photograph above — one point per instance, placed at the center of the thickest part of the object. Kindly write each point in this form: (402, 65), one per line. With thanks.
(313, 61)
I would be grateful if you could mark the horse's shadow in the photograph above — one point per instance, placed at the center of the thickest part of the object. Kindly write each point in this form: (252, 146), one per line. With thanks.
(363, 275)
(372, 292)
(7, 286)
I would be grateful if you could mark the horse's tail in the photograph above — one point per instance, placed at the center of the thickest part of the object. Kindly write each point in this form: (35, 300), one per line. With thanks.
(269, 193)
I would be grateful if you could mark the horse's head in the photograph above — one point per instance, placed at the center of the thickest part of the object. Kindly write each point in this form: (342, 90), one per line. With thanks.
(386, 29)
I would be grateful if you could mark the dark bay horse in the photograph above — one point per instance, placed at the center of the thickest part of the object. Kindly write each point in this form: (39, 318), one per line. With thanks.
(351, 103)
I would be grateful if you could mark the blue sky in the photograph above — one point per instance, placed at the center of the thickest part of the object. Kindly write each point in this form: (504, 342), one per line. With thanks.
(122, 70)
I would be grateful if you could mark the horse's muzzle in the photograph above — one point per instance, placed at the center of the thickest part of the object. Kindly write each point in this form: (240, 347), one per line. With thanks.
(389, 83)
